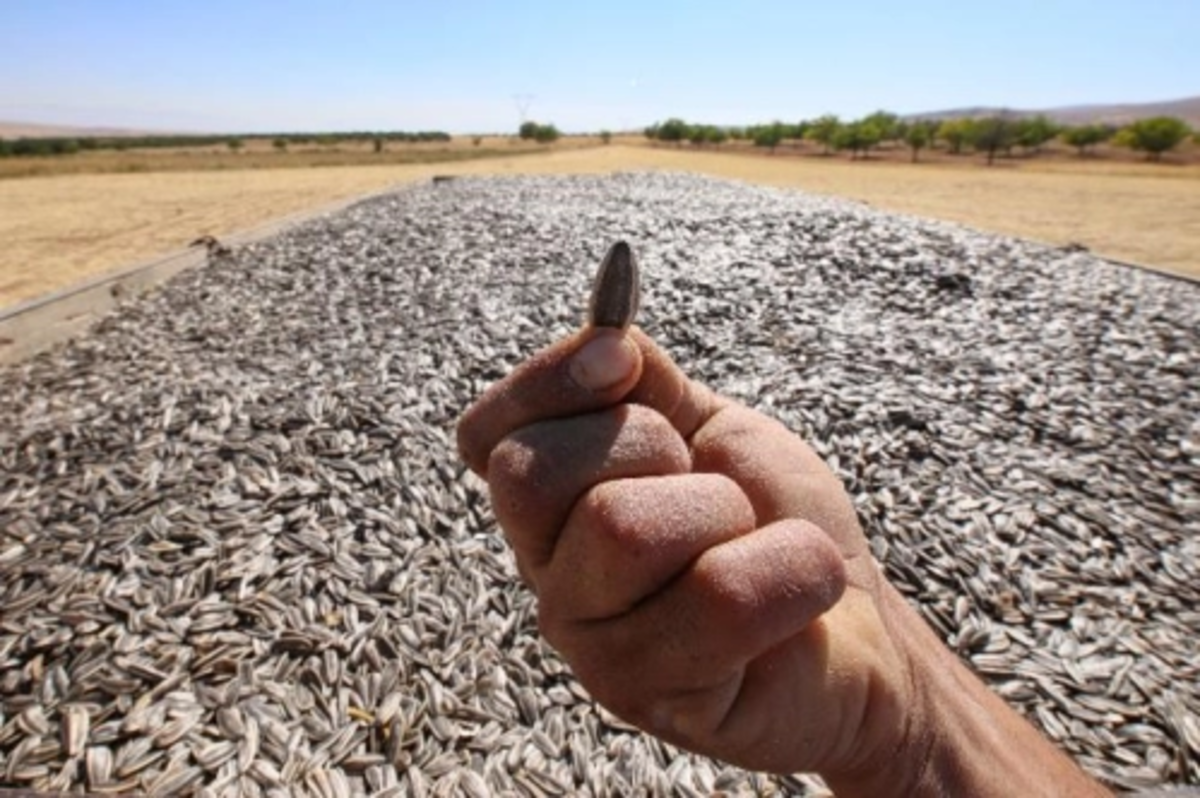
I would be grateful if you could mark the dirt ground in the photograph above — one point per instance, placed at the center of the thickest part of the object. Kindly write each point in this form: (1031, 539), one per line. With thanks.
(261, 154)
(57, 231)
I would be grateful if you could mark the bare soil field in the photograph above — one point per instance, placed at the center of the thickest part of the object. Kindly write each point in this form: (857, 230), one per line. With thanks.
(261, 154)
(60, 230)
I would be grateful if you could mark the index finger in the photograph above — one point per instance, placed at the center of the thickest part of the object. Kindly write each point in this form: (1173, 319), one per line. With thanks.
(593, 369)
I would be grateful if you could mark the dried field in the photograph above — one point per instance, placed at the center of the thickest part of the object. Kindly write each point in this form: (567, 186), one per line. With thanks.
(62, 229)
(261, 154)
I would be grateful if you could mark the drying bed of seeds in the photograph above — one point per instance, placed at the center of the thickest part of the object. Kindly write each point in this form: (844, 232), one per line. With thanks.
(239, 555)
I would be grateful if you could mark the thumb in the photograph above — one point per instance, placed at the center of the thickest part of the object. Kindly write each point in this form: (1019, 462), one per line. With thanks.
(589, 371)
(604, 362)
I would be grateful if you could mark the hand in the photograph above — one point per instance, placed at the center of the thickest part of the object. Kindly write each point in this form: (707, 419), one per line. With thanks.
(697, 565)
(705, 576)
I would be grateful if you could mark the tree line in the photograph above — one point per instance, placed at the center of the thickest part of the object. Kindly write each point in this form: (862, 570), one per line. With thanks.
(62, 145)
(987, 135)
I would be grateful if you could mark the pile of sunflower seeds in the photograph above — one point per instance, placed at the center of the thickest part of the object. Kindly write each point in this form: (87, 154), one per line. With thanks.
(238, 554)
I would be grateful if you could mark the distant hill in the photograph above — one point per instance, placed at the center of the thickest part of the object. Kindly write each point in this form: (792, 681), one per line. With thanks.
(16, 130)
(1187, 109)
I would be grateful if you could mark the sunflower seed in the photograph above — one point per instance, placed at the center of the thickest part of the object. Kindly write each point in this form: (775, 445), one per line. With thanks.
(237, 539)
(617, 290)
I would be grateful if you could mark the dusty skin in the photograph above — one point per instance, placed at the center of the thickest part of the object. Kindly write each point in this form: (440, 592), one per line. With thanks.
(60, 230)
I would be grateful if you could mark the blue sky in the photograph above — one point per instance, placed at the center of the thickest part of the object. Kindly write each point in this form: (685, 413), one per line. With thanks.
(239, 65)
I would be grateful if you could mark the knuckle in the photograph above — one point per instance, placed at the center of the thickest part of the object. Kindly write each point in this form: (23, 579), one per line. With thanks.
(516, 470)
(728, 592)
(606, 508)
(651, 422)
(510, 459)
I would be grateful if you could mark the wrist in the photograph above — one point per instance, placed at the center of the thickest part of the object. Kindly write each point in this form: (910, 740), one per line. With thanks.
(898, 764)
(958, 737)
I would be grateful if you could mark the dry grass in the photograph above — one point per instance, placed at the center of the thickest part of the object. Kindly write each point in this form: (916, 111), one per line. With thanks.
(60, 230)
(261, 154)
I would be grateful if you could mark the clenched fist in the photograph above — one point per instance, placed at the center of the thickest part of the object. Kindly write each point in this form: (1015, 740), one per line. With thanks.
(705, 576)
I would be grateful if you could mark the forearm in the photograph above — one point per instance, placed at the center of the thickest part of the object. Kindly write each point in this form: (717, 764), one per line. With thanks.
(963, 739)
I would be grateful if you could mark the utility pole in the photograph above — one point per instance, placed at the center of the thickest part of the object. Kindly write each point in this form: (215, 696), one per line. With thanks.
(523, 102)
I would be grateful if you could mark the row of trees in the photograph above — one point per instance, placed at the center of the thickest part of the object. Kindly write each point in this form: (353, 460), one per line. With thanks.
(67, 146)
(988, 135)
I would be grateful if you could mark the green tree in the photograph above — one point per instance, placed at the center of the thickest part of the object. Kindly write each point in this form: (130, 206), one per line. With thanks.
(783, 130)
(234, 145)
(697, 134)
(886, 123)
(717, 135)
(546, 134)
(956, 133)
(857, 137)
(824, 130)
(280, 144)
(1033, 132)
(917, 136)
(605, 137)
(43, 146)
(991, 135)
(1154, 136)
(674, 130)
(542, 134)
(786, 132)
(767, 136)
(1085, 136)
(651, 132)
